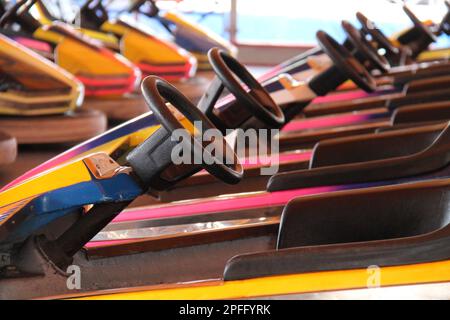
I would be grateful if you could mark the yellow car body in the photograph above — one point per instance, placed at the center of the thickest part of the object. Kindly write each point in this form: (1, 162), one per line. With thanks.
(285, 285)
(102, 71)
(429, 55)
(197, 39)
(37, 86)
(153, 56)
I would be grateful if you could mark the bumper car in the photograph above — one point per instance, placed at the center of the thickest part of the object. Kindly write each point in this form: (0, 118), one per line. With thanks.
(273, 243)
(101, 71)
(260, 249)
(419, 39)
(317, 106)
(409, 45)
(417, 84)
(107, 76)
(396, 87)
(284, 78)
(187, 34)
(298, 133)
(39, 101)
(153, 56)
(107, 179)
(397, 60)
(371, 243)
(298, 136)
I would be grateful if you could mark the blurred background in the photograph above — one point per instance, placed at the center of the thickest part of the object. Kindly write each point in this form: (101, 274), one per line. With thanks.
(281, 27)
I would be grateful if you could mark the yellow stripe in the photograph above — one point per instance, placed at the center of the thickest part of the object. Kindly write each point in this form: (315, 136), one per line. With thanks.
(194, 27)
(128, 141)
(31, 112)
(72, 172)
(11, 208)
(139, 48)
(68, 52)
(114, 28)
(299, 283)
(103, 37)
(434, 55)
(28, 57)
(57, 178)
(47, 35)
(40, 14)
(33, 99)
(138, 137)
(132, 140)
(347, 85)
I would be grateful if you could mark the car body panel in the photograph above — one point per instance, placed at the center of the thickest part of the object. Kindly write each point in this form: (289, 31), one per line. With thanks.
(54, 90)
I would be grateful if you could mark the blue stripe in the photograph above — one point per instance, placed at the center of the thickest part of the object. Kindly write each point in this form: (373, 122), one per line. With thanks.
(58, 203)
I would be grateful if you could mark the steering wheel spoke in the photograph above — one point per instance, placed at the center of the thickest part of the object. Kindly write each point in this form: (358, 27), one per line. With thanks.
(209, 99)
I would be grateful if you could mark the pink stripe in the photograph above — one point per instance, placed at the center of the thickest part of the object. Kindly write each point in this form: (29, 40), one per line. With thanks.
(127, 85)
(34, 44)
(219, 204)
(323, 122)
(356, 94)
(106, 92)
(277, 158)
(285, 157)
(204, 206)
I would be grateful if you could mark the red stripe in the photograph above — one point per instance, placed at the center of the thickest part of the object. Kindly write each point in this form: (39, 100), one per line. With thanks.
(104, 92)
(149, 68)
(126, 85)
(106, 82)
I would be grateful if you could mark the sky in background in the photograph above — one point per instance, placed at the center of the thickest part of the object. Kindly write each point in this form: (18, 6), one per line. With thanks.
(289, 21)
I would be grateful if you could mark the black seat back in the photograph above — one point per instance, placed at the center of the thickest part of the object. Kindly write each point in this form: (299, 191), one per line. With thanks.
(418, 166)
(371, 146)
(387, 226)
(363, 217)
(422, 113)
